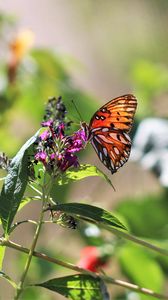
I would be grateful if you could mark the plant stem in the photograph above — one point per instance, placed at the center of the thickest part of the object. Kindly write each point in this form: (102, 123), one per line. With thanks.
(20, 286)
(70, 266)
(36, 190)
(21, 222)
(22, 280)
(138, 241)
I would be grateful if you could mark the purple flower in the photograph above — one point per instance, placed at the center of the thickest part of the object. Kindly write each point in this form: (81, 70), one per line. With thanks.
(41, 156)
(47, 123)
(44, 135)
(60, 130)
(55, 149)
(76, 141)
(81, 134)
(68, 161)
(52, 156)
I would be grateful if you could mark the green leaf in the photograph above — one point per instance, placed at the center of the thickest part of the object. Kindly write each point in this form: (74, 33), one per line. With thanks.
(90, 213)
(24, 202)
(78, 287)
(141, 268)
(80, 173)
(14, 185)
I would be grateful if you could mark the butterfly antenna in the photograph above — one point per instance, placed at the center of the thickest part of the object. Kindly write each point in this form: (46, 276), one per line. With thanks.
(77, 110)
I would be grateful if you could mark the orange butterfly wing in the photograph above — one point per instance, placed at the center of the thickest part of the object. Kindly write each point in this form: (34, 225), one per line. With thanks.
(109, 128)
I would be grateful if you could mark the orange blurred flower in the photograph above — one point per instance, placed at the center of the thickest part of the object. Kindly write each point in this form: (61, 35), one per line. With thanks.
(21, 44)
(19, 47)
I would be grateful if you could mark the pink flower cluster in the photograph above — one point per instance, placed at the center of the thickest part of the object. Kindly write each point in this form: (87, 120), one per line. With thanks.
(56, 150)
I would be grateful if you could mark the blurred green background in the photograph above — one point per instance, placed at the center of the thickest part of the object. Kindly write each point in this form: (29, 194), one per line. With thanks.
(91, 52)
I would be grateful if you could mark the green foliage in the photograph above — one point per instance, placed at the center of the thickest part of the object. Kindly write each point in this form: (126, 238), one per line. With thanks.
(15, 185)
(151, 81)
(41, 75)
(141, 268)
(146, 217)
(82, 172)
(90, 213)
(136, 211)
(78, 287)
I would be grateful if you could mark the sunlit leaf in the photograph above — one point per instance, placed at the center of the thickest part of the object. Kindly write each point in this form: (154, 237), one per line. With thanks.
(80, 173)
(78, 287)
(14, 185)
(91, 213)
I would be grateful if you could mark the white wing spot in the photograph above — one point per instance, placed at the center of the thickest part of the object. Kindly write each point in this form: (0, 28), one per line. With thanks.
(129, 109)
(105, 129)
(105, 151)
(100, 155)
(113, 135)
(116, 150)
(105, 139)
(95, 129)
(127, 136)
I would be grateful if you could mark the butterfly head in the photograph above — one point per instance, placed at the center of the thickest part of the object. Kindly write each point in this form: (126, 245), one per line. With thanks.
(85, 128)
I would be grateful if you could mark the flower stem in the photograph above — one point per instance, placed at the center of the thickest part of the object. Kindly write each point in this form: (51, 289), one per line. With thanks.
(20, 286)
(23, 277)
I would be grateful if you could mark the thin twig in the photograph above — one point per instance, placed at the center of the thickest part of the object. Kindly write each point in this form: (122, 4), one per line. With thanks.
(36, 190)
(21, 222)
(138, 241)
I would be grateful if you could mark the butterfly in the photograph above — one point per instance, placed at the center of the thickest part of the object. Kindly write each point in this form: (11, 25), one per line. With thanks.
(108, 131)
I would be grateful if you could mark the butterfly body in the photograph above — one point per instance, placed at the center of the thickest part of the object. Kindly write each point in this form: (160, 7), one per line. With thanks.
(108, 131)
